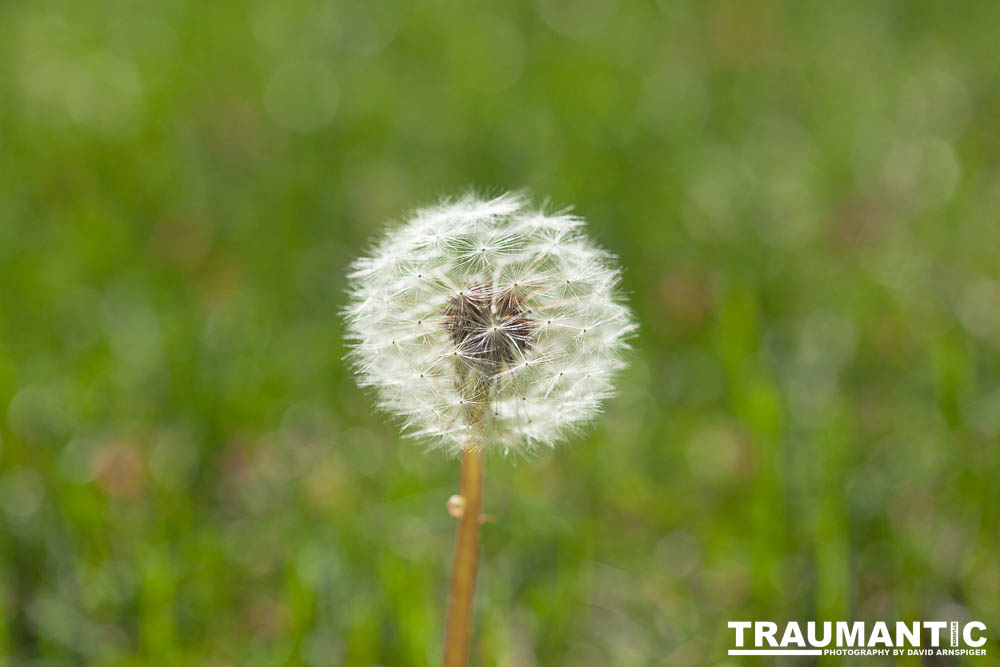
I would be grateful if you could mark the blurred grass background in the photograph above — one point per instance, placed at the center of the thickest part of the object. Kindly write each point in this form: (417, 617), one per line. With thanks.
(805, 197)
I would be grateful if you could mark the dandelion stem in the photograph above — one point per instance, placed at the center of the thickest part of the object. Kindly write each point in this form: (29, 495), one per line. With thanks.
(463, 576)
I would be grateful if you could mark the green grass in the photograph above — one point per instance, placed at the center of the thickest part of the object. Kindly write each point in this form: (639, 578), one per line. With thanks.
(804, 196)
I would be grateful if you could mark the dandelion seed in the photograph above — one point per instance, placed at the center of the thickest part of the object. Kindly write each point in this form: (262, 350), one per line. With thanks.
(484, 297)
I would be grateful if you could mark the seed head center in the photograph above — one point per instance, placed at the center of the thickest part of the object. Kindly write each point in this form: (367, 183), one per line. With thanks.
(490, 326)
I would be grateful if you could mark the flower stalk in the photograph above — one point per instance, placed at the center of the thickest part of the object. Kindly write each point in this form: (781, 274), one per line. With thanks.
(463, 576)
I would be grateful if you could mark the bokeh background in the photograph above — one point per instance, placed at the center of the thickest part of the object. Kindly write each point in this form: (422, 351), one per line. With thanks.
(805, 196)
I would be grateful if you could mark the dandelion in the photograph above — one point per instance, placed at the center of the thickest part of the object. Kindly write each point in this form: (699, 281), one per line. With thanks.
(485, 325)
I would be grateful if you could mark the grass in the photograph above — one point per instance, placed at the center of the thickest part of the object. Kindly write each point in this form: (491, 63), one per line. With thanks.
(803, 194)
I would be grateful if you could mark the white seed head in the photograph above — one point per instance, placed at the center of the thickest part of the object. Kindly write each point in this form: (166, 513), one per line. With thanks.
(484, 323)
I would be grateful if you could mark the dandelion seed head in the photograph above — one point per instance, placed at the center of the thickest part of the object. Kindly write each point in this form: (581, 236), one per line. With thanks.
(482, 322)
